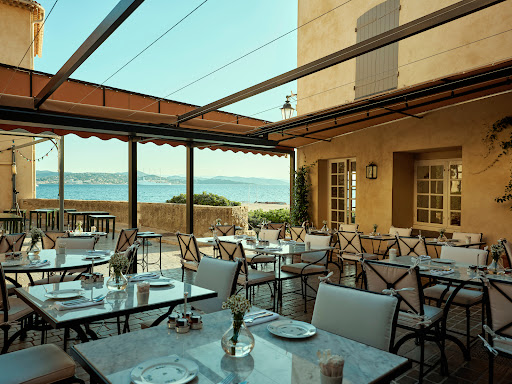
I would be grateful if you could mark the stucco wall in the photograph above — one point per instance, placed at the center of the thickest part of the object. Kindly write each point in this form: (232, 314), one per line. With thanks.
(25, 178)
(15, 36)
(163, 216)
(336, 31)
(462, 126)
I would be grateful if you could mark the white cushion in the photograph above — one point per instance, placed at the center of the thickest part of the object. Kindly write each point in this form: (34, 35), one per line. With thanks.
(318, 240)
(464, 296)
(349, 227)
(412, 320)
(189, 264)
(475, 238)
(256, 277)
(298, 268)
(393, 231)
(464, 255)
(269, 234)
(219, 276)
(17, 310)
(503, 345)
(359, 315)
(76, 242)
(40, 364)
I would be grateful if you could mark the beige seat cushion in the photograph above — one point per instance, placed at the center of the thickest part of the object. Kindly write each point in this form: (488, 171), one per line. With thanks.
(260, 258)
(10, 289)
(41, 364)
(55, 279)
(464, 296)
(192, 265)
(297, 268)
(503, 345)
(411, 320)
(357, 257)
(256, 277)
(17, 309)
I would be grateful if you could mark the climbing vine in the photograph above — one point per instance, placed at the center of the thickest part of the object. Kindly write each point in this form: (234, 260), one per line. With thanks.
(497, 137)
(300, 209)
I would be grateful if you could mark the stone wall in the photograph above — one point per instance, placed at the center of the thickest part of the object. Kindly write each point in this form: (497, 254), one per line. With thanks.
(163, 216)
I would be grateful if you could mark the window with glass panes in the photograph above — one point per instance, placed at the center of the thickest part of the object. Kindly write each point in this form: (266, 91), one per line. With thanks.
(342, 192)
(438, 193)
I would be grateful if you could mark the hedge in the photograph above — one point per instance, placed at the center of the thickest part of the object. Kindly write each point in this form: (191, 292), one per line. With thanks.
(204, 199)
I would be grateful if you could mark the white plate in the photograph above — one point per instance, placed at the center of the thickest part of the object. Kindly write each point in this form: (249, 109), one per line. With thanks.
(65, 293)
(162, 370)
(443, 261)
(291, 329)
(161, 283)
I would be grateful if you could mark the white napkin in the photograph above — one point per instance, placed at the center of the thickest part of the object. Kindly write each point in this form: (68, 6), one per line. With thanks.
(62, 306)
(145, 276)
(273, 248)
(261, 320)
(38, 264)
(99, 252)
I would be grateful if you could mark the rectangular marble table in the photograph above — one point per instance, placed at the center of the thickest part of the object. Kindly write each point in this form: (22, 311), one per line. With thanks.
(117, 303)
(273, 359)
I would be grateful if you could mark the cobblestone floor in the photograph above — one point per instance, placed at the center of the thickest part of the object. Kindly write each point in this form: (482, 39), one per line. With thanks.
(461, 371)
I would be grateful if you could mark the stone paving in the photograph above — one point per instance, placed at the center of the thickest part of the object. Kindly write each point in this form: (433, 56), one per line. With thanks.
(461, 371)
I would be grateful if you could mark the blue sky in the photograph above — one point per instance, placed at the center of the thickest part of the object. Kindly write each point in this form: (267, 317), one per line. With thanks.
(218, 32)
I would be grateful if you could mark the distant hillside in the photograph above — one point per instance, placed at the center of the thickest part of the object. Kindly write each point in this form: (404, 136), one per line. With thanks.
(50, 177)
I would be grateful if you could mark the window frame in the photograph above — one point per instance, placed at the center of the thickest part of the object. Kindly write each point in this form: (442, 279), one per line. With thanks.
(446, 163)
(347, 187)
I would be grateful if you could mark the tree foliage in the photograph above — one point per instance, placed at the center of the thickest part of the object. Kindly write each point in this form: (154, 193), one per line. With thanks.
(300, 209)
(496, 138)
(204, 199)
(274, 216)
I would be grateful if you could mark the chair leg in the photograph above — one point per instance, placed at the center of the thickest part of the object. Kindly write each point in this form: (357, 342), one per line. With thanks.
(66, 337)
(491, 368)
(468, 326)
(182, 274)
(305, 293)
(422, 357)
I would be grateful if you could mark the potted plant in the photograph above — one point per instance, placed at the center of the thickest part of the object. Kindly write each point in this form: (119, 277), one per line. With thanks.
(442, 238)
(118, 264)
(238, 341)
(496, 252)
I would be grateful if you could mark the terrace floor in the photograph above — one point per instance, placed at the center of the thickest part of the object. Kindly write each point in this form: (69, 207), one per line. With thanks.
(461, 371)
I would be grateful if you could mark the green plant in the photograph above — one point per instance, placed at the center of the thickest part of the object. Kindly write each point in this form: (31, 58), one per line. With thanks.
(494, 138)
(300, 208)
(274, 216)
(204, 199)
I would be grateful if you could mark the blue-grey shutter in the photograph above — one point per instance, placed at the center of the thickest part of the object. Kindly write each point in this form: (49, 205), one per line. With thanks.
(377, 71)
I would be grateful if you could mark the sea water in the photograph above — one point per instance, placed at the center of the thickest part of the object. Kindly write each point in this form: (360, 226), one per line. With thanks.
(160, 193)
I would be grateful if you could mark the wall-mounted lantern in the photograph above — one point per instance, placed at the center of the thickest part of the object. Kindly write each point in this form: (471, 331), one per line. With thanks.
(371, 171)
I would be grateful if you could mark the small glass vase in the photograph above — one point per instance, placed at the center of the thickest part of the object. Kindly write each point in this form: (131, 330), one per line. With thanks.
(442, 239)
(34, 248)
(238, 341)
(117, 282)
(495, 268)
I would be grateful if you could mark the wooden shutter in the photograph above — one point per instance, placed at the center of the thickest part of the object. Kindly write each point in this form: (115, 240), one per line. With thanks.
(377, 71)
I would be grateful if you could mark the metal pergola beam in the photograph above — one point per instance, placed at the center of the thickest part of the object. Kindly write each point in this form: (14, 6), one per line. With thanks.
(109, 24)
(432, 20)
(190, 190)
(52, 121)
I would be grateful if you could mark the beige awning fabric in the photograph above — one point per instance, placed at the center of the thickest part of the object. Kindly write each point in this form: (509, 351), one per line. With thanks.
(79, 99)
(325, 124)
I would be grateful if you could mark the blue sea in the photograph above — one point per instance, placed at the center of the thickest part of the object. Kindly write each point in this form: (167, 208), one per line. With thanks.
(160, 193)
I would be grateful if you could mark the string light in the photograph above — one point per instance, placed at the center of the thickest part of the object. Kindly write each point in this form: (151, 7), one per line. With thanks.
(32, 160)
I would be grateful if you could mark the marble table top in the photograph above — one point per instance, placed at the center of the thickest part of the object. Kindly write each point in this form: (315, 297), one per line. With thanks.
(273, 248)
(115, 304)
(73, 258)
(461, 272)
(273, 359)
